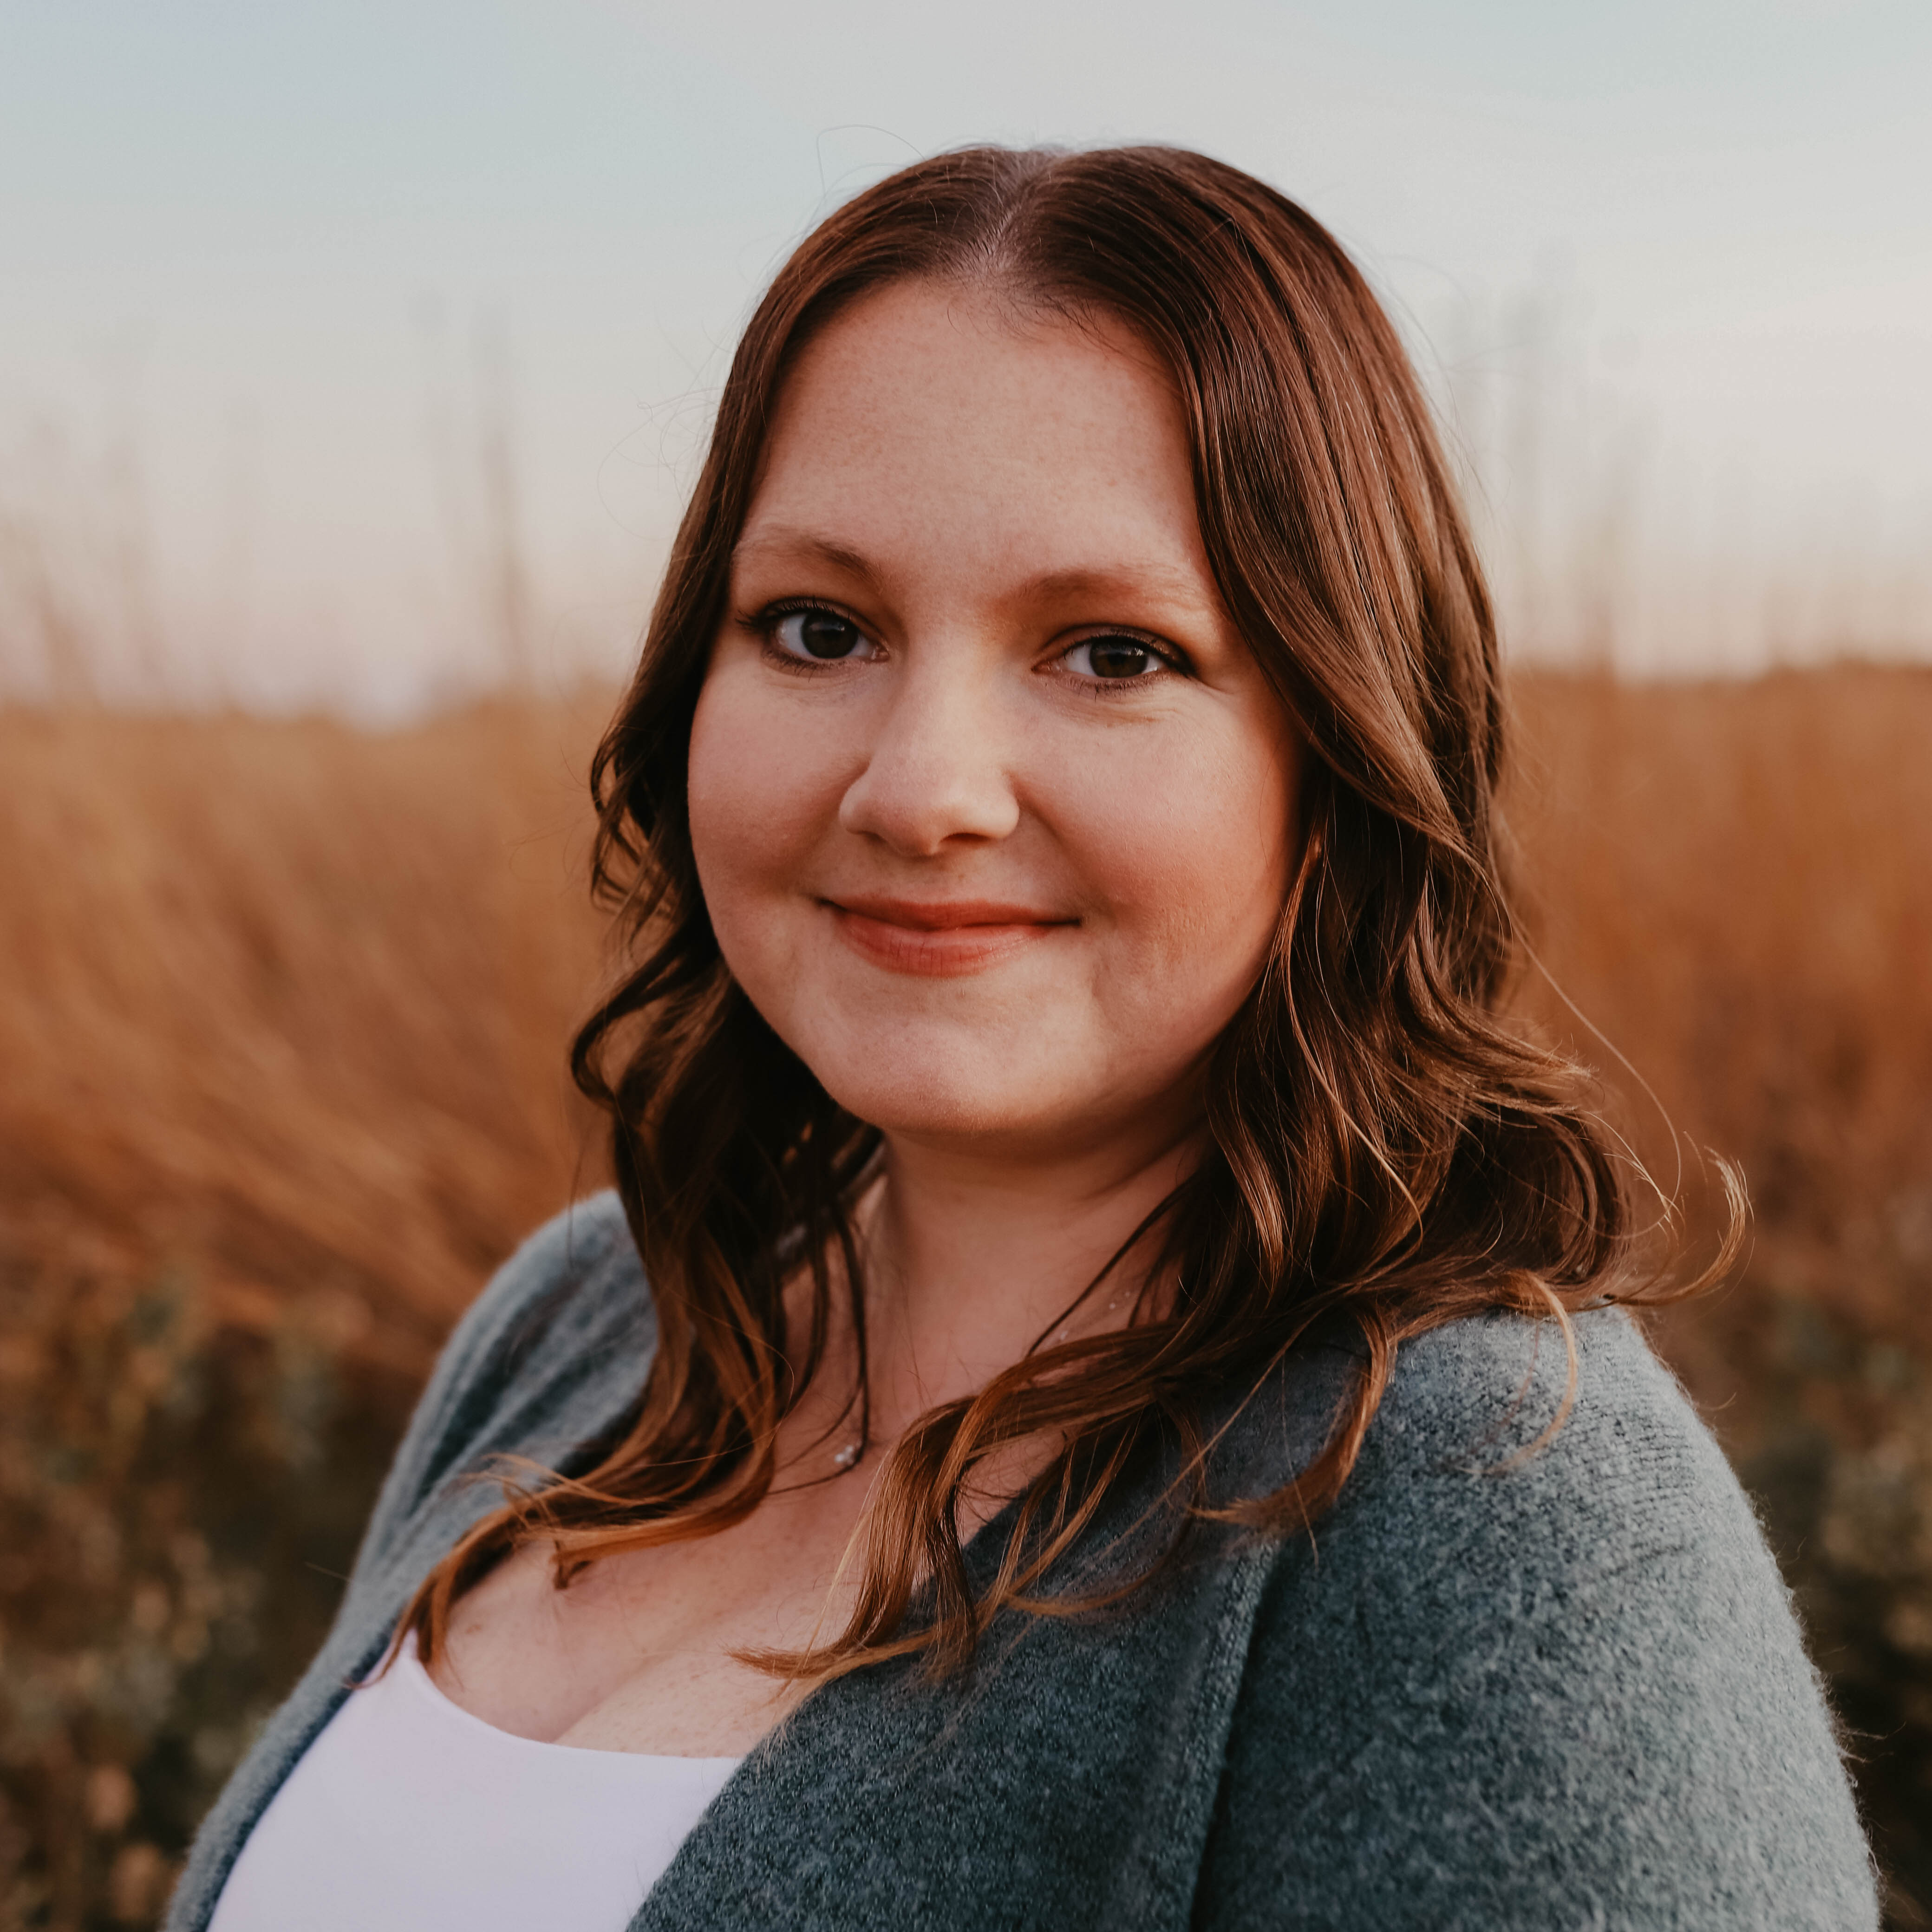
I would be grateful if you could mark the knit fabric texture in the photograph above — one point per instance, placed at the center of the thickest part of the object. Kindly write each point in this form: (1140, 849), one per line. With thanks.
(1499, 1686)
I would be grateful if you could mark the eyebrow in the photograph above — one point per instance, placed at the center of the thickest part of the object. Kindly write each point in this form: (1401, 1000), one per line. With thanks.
(786, 541)
(1129, 580)
(1049, 586)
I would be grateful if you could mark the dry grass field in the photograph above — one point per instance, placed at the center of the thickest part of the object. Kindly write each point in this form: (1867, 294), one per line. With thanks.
(281, 1044)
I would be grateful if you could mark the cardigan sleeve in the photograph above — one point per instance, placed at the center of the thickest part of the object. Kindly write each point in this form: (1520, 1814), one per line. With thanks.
(461, 1412)
(1512, 1686)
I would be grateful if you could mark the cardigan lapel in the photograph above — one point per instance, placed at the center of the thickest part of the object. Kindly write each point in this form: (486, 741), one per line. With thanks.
(1069, 1781)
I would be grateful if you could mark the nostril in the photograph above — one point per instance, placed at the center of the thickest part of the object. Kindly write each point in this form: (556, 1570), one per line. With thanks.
(919, 804)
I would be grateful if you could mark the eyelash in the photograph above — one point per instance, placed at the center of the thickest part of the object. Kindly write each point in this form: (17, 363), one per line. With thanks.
(1170, 661)
(764, 626)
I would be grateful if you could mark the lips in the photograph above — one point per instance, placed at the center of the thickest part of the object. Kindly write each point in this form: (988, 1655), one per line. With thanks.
(940, 938)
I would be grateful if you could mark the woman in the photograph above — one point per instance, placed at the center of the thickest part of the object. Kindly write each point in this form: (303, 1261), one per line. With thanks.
(1127, 1424)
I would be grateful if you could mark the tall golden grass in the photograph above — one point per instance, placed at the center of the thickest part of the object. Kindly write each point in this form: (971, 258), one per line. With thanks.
(284, 1013)
(1733, 882)
(286, 1002)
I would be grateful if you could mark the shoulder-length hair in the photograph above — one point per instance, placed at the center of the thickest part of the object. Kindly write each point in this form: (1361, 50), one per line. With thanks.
(1381, 1148)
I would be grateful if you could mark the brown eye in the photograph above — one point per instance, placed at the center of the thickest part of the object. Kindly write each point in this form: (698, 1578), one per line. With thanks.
(822, 635)
(1115, 659)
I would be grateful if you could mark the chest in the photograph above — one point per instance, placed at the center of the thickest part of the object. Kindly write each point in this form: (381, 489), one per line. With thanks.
(649, 1650)
(644, 1651)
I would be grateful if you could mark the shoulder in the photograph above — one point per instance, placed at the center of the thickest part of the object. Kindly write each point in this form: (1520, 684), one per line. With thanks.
(1472, 1441)
(557, 1344)
(1488, 1488)
(576, 1281)
(571, 1297)
(1522, 1676)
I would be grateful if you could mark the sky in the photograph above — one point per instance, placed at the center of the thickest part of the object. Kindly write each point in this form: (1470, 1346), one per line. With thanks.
(356, 355)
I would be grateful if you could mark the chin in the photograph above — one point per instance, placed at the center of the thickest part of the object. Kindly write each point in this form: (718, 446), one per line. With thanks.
(940, 1110)
(935, 1097)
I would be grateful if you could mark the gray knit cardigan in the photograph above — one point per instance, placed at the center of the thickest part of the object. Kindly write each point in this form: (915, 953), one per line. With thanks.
(1558, 1692)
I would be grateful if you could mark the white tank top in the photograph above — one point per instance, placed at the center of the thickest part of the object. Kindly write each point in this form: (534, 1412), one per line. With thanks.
(407, 1814)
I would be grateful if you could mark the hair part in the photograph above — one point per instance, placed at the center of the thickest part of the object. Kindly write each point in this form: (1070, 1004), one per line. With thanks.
(1382, 1147)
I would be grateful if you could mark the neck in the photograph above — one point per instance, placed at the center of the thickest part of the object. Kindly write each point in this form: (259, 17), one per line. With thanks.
(971, 1257)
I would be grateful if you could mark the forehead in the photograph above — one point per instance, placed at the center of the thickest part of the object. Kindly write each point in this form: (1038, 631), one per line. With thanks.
(943, 422)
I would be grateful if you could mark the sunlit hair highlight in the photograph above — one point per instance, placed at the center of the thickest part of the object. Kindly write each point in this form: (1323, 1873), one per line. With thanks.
(1385, 1151)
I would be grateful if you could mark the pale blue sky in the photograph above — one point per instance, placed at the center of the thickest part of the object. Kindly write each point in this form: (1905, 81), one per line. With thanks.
(267, 274)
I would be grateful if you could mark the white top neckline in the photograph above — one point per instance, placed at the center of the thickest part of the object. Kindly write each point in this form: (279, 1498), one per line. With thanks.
(408, 1814)
(410, 1662)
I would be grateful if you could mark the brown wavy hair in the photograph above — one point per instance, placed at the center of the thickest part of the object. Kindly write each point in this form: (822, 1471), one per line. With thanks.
(1381, 1147)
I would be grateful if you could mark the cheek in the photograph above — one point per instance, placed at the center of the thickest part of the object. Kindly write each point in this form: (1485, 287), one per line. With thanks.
(754, 790)
(1199, 863)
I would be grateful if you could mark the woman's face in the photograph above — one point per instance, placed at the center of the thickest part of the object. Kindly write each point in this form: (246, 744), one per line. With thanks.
(993, 809)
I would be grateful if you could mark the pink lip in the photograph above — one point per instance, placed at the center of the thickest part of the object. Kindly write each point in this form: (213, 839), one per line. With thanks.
(938, 938)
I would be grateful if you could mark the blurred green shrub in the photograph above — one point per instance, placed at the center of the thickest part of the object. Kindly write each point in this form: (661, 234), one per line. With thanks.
(177, 1504)
(1839, 1459)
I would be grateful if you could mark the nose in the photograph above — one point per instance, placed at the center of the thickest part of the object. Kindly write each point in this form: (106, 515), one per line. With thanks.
(938, 771)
